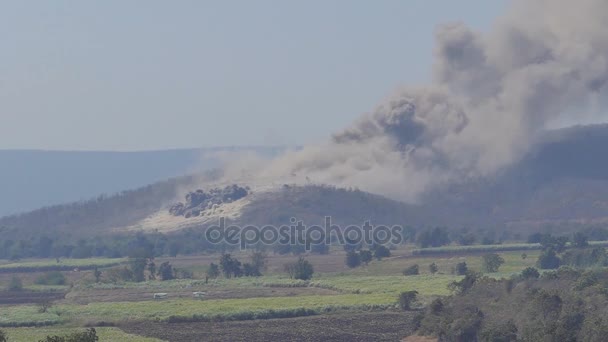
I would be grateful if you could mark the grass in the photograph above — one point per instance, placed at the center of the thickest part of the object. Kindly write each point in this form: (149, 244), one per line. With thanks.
(63, 264)
(104, 333)
(521, 247)
(374, 286)
(426, 285)
(164, 309)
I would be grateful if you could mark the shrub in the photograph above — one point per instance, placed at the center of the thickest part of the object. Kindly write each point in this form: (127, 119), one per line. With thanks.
(51, 278)
(579, 240)
(433, 268)
(366, 256)
(213, 271)
(548, 260)
(412, 270)
(505, 332)
(44, 305)
(491, 262)
(90, 335)
(165, 271)
(406, 299)
(353, 259)
(3, 336)
(301, 269)
(381, 251)
(461, 268)
(530, 273)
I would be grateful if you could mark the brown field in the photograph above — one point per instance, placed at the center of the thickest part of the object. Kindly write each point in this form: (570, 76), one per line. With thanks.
(351, 327)
(133, 295)
(28, 297)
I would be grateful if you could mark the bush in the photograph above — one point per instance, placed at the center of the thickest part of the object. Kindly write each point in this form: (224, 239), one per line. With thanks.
(165, 271)
(15, 284)
(406, 299)
(44, 305)
(491, 262)
(461, 268)
(412, 270)
(506, 332)
(51, 278)
(213, 271)
(433, 268)
(3, 336)
(90, 335)
(366, 256)
(381, 251)
(301, 269)
(353, 259)
(548, 260)
(530, 273)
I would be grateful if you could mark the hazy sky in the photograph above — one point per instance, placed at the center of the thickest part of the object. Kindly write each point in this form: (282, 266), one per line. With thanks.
(132, 75)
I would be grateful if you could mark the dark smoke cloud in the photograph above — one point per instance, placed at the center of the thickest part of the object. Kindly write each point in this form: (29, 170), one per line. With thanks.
(491, 95)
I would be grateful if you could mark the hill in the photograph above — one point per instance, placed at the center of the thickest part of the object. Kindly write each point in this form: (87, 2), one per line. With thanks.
(562, 182)
(31, 179)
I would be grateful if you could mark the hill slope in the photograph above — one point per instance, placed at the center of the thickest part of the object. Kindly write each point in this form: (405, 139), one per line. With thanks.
(32, 179)
(564, 180)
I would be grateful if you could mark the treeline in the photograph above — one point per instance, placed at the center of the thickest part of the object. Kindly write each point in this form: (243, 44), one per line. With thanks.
(563, 305)
(186, 242)
(442, 236)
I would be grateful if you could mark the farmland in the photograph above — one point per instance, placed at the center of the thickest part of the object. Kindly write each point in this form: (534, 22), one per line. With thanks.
(338, 294)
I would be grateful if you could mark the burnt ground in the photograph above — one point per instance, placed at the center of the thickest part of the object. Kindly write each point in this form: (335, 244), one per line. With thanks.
(351, 327)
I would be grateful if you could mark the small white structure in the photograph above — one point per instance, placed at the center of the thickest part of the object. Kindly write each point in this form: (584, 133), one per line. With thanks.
(160, 295)
(198, 294)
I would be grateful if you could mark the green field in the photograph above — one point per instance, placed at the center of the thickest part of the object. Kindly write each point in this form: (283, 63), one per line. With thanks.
(371, 287)
(105, 334)
(50, 264)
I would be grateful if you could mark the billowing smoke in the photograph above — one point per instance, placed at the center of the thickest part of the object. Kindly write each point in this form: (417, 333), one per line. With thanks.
(491, 95)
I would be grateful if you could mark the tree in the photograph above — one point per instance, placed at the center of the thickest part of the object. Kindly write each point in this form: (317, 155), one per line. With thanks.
(548, 260)
(138, 266)
(412, 270)
(353, 259)
(96, 274)
(406, 299)
(165, 271)
(579, 240)
(530, 273)
(461, 268)
(152, 270)
(491, 262)
(213, 271)
(90, 335)
(433, 268)
(301, 269)
(230, 266)
(381, 251)
(505, 332)
(365, 256)
(465, 284)
(44, 305)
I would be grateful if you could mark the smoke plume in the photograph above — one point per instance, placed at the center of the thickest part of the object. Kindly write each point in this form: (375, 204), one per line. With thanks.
(491, 96)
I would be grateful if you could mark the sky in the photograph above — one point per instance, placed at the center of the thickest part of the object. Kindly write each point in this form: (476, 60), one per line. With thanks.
(147, 75)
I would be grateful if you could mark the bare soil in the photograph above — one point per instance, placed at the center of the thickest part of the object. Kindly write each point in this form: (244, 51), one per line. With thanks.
(351, 327)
